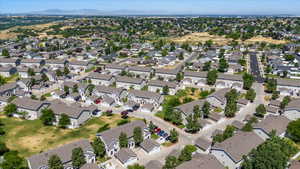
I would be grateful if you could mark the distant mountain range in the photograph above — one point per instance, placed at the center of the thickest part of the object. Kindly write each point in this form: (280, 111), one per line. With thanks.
(96, 12)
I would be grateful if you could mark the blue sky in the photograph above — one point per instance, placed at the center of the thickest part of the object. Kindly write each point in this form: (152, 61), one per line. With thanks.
(159, 6)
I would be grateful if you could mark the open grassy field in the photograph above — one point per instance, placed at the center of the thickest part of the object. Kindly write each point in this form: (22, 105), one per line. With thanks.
(31, 137)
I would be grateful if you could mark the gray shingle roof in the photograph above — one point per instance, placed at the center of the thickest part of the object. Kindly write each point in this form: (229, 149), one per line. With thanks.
(220, 94)
(8, 86)
(160, 83)
(125, 154)
(167, 71)
(64, 152)
(28, 103)
(203, 143)
(109, 90)
(125, 79)
(188, 108)
(140, 69)
(73, 111)
(145, 94)
(195, 74)
(111, 136)
(115, 66)
(239, 145)
(202, 161)
(222, 76)
(149, 144)
(288, 82)
(95, 75)
(293, 105)
(271, 122)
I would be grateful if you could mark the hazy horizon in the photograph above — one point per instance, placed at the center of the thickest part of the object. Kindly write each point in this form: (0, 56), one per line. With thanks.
(201, 7)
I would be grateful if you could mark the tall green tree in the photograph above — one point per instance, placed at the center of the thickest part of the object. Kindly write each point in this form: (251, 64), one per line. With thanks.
(78, 158)
(206, 109)
(173, 136)
(12, 160)
(271, 85)
(47, 117)
(171, 163)
(231, 105)
(166, 90)
(55, 162)
(250, 95)
(212, 77)
(273, 153)
(196, 111)
(138, 135)
(193, 125)
(260, 110)
(293, 130)
(123, 140)
(10, 109)
(223, 65)
(64, 121)
(248, 80)
(99, 147)
(5, 53)
(285, 101)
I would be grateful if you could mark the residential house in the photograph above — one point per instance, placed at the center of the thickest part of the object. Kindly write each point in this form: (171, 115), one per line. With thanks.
(218, 98)
(33, 62)
(292, 110)
(56, 63)
(231, 151)
(10, 62)
(7, 71)
(110, 137)
(116, 93)
(150, 146)
(203, 145)
(229, 81)
(8, 89)
(100, 79)
(126, 156)
(32, 108)
(4, 100)
(78, 66)
(143, 72)
(195, 78)
(288, 87)
(130, 83)
(40, 161)
(278, 124)
(145, 97)
(166, 74)
(77, 114)
(188, 108)
(157, 86)
(115, 69)
(147, 108)
(201, 161)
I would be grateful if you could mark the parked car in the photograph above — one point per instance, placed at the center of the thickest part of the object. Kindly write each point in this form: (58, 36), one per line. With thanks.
(97, 101)
(157, 130)
(129, 110)
(124, 114)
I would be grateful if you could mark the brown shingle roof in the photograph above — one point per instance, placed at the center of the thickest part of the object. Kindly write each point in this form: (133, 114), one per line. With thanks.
(125, 154)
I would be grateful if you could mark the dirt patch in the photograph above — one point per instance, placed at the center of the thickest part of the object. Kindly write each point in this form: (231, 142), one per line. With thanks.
(201, 37)
(266, 40)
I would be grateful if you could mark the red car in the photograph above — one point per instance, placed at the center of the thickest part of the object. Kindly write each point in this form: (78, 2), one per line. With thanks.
(157, 130)
(98, 101)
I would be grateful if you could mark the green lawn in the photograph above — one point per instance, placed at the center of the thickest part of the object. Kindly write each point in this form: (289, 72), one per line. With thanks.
(31, 137)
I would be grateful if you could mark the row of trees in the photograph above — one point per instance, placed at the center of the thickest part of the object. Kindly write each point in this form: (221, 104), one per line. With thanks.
(231, 103)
